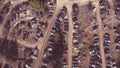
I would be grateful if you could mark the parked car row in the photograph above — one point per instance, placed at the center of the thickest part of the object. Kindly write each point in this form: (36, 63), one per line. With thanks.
(117, 28)
(75, 25)
(20, 11)
(105, 12)
(65, 40)
(95, 61)
(117, 39)
(80, 54)
(66, 25)
(51, 9)
(65, 60)
(6, 8)
(104, 6)
(111, 63)
(30, 55)
(75, 62)
(78, 59)
(107, 43)
(4, 11)
(117, 7)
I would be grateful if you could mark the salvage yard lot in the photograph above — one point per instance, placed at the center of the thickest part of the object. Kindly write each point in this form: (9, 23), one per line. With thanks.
(60, 34)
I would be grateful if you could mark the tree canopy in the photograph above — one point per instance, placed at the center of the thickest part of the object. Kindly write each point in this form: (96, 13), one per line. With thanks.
(37, 5)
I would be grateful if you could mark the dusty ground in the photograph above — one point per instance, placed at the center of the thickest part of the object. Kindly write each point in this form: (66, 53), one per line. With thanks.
(68, 4)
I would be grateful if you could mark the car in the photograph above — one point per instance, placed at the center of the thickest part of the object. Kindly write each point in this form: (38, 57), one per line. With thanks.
(95, 26)
(76, 25)
(74, 19)
(117, 40)
(96, 57)
(45, 62)
(107, 41)
(95, 38)
(27, 66)
(107, 36)
(114, 66)
(66, 22)
(65, 66)
(75, 59)
(66, 28)
(76, 44)
(106, 44)
(92, 66)
(53, 31)
(35, 54)
(117, 48)
(50, 48)
(43, 66)
(75, 7)
(107, 51)
(64, 61)
(92, 49)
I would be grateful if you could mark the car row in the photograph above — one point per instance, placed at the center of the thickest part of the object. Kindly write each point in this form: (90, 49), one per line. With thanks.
(4, 11)
(104, 6)
(75, 62)
(107, 43)
(65, 37)
(6, 8)
(111, 63)
(117, 7)
(105, 12)
(75, 25)
(75, 42)
(95, 61)
(30, 56)
(117, 38)
(51, 9)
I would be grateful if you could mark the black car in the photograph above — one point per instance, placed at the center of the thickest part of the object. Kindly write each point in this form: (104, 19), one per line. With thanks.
(107, 36)
(107, 50)
(117, 40)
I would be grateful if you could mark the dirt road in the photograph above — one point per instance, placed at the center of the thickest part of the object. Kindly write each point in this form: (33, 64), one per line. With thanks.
(112, 7)
(100, 35)
(70, 35)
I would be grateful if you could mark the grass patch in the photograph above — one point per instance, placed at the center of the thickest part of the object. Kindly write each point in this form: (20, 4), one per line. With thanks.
(38, 5)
